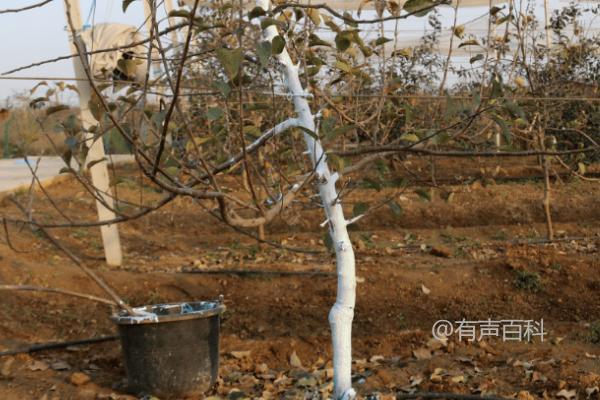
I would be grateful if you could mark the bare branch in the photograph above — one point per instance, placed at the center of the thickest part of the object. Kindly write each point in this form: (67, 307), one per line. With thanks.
(57, 291)
(32, 6)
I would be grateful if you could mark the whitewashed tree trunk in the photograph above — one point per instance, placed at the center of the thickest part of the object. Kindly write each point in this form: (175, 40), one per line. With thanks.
(547, 27)
(99, 170)
(342, 312)
(174, 37)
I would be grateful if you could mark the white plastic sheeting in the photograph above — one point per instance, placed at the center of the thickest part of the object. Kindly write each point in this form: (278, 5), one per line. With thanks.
(129, 61)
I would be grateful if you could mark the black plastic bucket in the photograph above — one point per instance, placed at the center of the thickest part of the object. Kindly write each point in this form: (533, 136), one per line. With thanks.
(171, 350)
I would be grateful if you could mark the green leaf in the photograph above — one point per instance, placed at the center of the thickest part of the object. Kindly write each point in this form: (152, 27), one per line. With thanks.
(504, 19)
(410, 137)
(503, 128)
(179, 13)
(309, 132)
(67, 170)
(314, 15)
(314, 40)
(94, 162)
(252, 131)
(476, 58)
(337, 162)
(382, 167)
(423, 194)
(277, 45)
(382, 40)
(57, 108)
(471, 42)
(311, 71)
(349, 20)
(126, 4)
(71, 142)
(343, 40)
(515, 109)
(158, 118)
(42, 83)
(95, 106)
(264, 51)
(359, 209)
(406, 52)
(419, 8)
(497, 89)
(266, 22)
(214, 113)
(256, 12)
(230, 60)
(372, 184)
(222, 87)
(494, 10)
(343, 66)
(341, 130)
(35, 102)
(395, 207)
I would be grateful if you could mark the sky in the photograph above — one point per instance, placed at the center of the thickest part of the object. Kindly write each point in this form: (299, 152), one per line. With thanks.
(40, 33)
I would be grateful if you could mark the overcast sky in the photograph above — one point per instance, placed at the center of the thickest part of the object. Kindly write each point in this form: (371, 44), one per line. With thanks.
(40, 34)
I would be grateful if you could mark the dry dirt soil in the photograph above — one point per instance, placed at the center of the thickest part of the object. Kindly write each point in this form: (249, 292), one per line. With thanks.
(476, 254)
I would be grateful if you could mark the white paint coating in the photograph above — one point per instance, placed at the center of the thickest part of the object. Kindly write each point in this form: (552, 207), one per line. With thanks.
(342, 312)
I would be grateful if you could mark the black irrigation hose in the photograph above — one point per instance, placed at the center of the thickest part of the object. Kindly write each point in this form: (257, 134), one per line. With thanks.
(252, 272)
(449, 396)
(58, 345)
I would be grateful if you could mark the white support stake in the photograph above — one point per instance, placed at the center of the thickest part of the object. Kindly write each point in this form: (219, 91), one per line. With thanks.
(99, 170)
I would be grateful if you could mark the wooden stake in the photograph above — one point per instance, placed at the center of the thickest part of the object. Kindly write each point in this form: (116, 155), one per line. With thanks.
(546, 200)
(99, 170)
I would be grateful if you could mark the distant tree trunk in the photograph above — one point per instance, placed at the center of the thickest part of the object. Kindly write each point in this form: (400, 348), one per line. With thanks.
(546, 200)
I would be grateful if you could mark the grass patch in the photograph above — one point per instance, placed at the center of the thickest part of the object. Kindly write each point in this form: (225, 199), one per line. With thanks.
(530, 281)
(595, 332)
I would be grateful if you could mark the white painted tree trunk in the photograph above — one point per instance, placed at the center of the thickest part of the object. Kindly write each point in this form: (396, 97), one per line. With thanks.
(342, 312)
(547, 27)
(99, 170)
(174, 37)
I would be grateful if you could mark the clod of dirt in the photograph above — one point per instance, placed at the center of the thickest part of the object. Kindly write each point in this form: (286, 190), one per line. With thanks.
(440, 251)
(60, 366)
(240, 354)
(38, 366)
(79, 378)
(261, 368)
(6, 367)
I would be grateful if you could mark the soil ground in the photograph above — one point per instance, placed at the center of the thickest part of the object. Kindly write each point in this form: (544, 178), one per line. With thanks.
(475, 255)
